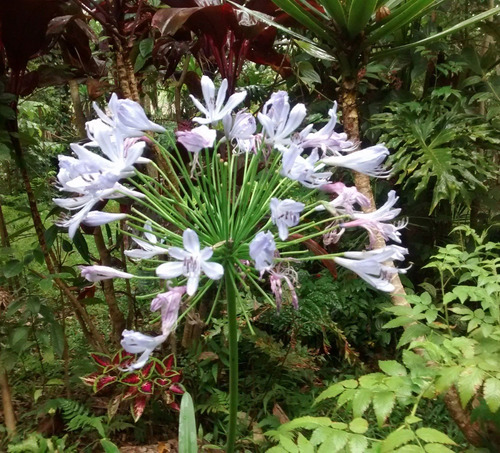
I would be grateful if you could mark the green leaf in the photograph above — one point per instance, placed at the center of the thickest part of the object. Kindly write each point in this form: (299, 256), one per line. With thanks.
(447, 377)
(81, 245)
(433, 435)
(383, 402)
(468, 383)
(413, 332)
(392, 368)
(331, 392)
(304, 445)
(491, 393)
(307, 74)
(45, 284)
(412, 419)
(306, 422)
(109, 447)
(187, 426)
(288, 444)
(13, 268)
(361, 402)
(397, 438)
(410, 449)
(358, 444)
(146, 47)
(334, 442)
(437, 448)
(358, 426)
(336, 11)
(314, 51)
(50, 235)
(57, 337)
(359, 15)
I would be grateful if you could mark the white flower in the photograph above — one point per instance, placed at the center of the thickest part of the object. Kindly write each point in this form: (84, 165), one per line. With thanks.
(373, 221)
(98, 273)
(285, 214)
(214, 109)
(304, 170)
(197, 139)
(149, 249)
(192, 263)
(241, 129)
(347, 197)
(262, 250)
(98, 218)
(367, 161)
(369, 265)
(278, 121)
(138, 343)
(168, 303)
(128, 117)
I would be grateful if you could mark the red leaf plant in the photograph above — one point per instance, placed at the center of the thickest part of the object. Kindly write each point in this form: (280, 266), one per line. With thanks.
(158, 378)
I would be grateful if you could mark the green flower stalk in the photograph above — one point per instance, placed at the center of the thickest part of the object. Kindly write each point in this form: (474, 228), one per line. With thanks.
(236, 213)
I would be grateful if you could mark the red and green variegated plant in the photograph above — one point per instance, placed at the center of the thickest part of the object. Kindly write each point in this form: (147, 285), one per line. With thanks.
(158, 378)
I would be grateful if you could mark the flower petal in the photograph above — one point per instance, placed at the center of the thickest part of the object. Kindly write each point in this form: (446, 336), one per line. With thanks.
(170, 270)
(214, 271)
(191, 241)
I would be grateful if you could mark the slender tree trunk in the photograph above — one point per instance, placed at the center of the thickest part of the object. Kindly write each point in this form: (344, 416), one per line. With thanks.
(77, 106)
(350, 119)
(94, 337)
(117, 318)
(8, 409)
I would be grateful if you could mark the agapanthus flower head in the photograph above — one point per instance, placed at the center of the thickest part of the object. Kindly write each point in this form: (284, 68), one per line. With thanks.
(98, 273)
(214, 108)
(346, 198)
(128, 117)
(139, 343)
(192, 262)
(285, 214)
(372, 266)
(367, 161)
(262, 249)
(241, 129)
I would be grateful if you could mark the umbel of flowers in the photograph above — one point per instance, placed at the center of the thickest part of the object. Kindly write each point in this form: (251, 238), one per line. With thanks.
(255, 189)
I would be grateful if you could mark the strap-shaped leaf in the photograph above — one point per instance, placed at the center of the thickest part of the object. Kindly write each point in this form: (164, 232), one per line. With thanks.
(305, 18)
(464, 24)
(336, 11)
(400, 17)
(359, 15)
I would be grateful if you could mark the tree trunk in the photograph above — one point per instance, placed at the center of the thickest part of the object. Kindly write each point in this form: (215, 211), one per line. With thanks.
(350, 119)
(77, 106)
(8, 409)
(117, 318)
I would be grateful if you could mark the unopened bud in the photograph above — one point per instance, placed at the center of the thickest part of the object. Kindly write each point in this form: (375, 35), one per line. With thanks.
(382, 13)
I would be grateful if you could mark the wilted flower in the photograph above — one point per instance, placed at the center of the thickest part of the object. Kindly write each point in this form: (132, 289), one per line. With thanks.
(285, 214)
(193, 262)
(304, 170)
(290, 277)
(168, 303)
(138, 343)
(214, 109)
(262, 250)
(346, 198)
(98, 273)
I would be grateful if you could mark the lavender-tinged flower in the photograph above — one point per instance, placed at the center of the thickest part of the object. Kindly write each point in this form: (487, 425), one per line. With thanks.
(98, 273)
(98, 218)
(332, 237)
(367, 161)
(290, 277)
(304, 170)
(285, 214)
(214, 109)
(369, 265)
(326, 137)
(168, 303)
(373, 221)
(149, 247)
(278, 121)
(241, 129)
(138, 343)
(128, 117)
(262, 250)
(346, 198)
(197, 139)
(192, 263)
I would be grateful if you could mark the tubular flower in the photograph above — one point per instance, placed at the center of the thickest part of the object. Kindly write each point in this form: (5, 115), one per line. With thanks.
(241, 129)
(138, 343)
(373, 221)
(346, 198)
(98, 218)
(128, 117)
(304, 170)
(98, 273)
(262, 250)
(168, 303)
(369, 265)
(149, 247)
(367, 161)
(214, 109)
(197, 139)
(192, 262)
(285, 214)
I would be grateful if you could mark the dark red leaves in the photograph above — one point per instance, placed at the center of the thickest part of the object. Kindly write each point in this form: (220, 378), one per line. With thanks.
(102, 382)
(102, 360)
(131, 379)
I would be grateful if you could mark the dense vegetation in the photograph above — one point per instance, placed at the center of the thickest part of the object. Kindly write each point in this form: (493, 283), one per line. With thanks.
(273, 342)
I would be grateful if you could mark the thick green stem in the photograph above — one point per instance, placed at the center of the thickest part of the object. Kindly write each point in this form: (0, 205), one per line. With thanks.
(233, 360)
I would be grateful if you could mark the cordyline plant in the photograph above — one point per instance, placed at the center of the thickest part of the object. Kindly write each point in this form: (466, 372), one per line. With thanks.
(237, 212)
